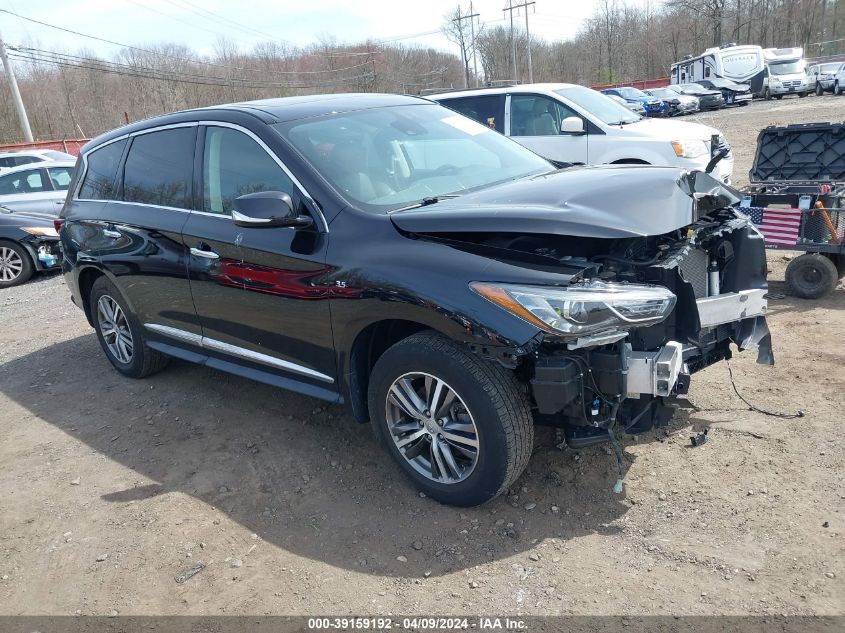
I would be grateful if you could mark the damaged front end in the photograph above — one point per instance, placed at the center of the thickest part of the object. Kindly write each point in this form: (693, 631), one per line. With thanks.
(658, 289)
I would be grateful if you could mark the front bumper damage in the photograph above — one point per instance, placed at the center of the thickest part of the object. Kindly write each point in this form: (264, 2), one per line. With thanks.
(633, 379)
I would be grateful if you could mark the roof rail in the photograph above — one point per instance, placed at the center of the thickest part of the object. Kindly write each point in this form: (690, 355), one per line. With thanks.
(496, 83)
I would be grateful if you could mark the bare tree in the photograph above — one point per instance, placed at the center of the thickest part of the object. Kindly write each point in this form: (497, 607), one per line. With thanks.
(458, 30)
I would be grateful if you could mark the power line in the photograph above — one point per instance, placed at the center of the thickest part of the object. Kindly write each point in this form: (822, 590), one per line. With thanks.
(194, 61)
(220, 19)
(73, 61)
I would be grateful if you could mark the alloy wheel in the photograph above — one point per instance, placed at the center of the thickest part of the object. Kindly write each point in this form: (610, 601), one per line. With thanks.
(115, 329)
(11, 264)
(432, 427)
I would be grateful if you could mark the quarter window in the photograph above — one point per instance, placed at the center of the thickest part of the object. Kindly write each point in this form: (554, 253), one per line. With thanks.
(101, 171)
(60, 177)
(159, 168)
(235, 165)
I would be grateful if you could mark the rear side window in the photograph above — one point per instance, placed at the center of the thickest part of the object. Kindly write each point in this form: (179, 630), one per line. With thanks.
(488, 110)
(100, 174)
(29, 181)
(234, 165)
(159, 168)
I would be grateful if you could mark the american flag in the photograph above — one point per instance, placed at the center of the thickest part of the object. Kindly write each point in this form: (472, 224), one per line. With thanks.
(779, 226)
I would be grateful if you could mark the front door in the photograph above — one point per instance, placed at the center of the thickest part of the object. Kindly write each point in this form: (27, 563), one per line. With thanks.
(535, 122)
(258, 292)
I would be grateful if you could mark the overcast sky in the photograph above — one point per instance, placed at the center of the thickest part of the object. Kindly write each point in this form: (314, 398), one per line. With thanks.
(139, 22)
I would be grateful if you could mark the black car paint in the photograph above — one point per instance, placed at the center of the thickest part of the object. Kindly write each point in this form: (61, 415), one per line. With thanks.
(10, 231)
(321, 298)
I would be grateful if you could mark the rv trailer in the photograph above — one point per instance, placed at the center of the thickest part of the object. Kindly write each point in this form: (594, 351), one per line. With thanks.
(741, 64)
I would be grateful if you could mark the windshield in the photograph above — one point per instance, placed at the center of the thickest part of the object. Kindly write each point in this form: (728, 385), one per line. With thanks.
(695, 87)
(829, 68)
(600, 106)
(786, 68)
(663, 94)
(631, 93)
(392, 157)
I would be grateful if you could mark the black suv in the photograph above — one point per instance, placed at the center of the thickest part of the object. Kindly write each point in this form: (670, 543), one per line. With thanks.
(384, 252)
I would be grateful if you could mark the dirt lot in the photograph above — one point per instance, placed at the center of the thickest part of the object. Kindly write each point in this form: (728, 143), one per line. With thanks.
(113, 487)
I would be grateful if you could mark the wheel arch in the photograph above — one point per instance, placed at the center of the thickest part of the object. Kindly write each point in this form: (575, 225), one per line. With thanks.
(367, 347)
(87, 277)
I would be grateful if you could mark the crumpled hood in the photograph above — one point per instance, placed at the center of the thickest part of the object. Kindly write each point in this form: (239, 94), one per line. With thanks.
(608, 201)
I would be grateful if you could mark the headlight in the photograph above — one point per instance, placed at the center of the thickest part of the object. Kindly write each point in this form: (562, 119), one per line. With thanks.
(582, 309)
(690, 149)
(40, 230)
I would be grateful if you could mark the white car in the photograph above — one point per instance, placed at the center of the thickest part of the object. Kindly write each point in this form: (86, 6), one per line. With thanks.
(573, 124)
(25, 157)
(37, 187)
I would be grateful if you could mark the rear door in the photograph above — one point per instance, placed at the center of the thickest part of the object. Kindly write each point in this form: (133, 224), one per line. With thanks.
(535, 122)
(138, 231)
(258, 291)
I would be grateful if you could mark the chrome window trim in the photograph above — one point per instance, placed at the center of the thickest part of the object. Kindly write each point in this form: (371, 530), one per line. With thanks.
(206, 123)
(234, 350)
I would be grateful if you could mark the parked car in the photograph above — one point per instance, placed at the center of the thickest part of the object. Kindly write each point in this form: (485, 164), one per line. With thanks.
(839, 81)
(676, 104)
(652, 105)
(707, 99)
(732, 92)
(633, 106)
(821, 77)
(25, 157)
(28, 245)
(573, 124)
(36, 187)
(469, 289)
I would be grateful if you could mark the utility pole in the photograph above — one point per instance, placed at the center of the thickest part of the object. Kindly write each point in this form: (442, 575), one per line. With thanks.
(460, 19)
(474, 50)
(513, 41)
(511, 8)
(16, 94)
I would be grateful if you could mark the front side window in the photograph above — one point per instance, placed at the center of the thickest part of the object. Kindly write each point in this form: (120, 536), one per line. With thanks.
(101, 171)
(159, 168)
(598, 105)
(535, 115)
(60, 177)
(235, 165)
(390, 157)
(30, 181)
(488, 110)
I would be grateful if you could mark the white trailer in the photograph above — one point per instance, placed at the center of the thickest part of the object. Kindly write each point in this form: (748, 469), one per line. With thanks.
(742, 64)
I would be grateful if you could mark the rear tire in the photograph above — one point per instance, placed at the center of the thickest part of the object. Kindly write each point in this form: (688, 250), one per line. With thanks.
(120, 334)
(489, 405)
(802, 95)
(16, 265)
(811, 276)
(836, 89)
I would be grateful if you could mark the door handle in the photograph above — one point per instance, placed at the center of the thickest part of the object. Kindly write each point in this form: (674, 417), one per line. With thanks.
(205, 253)
(111, 233)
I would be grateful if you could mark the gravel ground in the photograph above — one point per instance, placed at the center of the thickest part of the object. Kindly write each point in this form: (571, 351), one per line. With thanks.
(113, 488)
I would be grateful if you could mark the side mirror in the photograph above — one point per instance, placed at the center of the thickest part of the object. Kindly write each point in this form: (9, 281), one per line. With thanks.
(572, 125)
(266, 209)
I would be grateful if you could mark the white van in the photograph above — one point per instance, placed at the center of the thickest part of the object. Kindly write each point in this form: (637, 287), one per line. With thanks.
(786, 73)
(573, 124)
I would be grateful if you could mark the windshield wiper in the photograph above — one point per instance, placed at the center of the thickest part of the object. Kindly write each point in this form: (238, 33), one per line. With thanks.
(426, 202)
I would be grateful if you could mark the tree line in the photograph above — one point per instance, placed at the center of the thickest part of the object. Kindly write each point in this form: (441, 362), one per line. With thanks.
(81, 94)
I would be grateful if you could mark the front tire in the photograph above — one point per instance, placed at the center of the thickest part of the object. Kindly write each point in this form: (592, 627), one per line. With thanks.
(836, 89)
(767, 94)
(458, 426)
(819, 90)
(120, 334)
(16, 266)
(811, 276)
